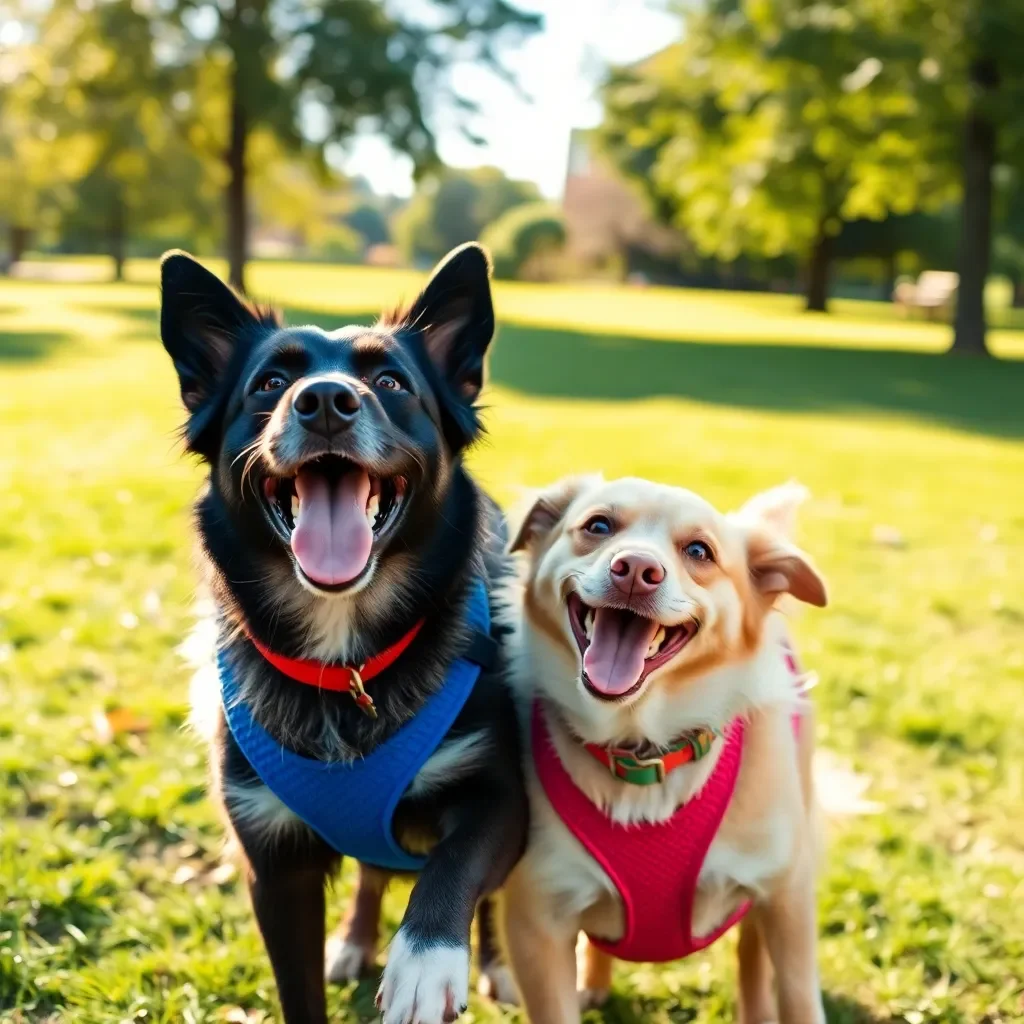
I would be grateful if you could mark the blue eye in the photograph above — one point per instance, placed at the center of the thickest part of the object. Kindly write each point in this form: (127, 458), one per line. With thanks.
(598, 526)
(698, 551)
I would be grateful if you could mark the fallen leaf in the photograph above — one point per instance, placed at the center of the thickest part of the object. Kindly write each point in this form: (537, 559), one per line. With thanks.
(888, 536)
(839, 789)
(222, 874)
(108, 724)
(185, 873)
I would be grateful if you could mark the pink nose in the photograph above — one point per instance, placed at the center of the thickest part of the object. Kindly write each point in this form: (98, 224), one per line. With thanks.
(634, 572)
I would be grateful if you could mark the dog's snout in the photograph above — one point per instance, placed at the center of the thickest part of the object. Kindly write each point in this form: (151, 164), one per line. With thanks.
(326, 407)
(636, 572)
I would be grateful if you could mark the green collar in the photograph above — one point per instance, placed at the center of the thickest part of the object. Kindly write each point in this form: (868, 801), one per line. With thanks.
(630, 765)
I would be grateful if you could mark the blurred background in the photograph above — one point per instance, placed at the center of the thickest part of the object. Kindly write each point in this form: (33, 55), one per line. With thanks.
(818, 148)
(734, 241)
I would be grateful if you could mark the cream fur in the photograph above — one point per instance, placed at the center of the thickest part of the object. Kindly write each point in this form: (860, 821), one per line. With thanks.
(765, 849)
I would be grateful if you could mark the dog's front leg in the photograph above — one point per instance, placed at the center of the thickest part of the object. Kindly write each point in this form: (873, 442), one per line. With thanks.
(289, 905)
(788, 920)
(542, 949)
(426, 980)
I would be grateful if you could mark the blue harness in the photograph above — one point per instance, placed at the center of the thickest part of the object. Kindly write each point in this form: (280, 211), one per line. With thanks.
(350, 805)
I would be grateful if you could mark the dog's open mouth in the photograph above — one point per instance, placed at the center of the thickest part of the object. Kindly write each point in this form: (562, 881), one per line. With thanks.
(334, 512)
(620, 648)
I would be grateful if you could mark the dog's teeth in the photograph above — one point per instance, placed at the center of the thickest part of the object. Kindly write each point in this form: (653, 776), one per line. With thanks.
(659, 639)
(296, 504)
(588, 623)
(372, 507)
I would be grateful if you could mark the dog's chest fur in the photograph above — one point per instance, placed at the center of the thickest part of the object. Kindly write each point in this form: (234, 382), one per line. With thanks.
(752, 847)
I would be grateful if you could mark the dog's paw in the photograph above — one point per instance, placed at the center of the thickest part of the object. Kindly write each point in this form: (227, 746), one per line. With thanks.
(423, 984)
(497, 984)
(592, 998)
(345, 961)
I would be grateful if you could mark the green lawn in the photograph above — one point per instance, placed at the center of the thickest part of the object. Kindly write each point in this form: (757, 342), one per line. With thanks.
(114, 904)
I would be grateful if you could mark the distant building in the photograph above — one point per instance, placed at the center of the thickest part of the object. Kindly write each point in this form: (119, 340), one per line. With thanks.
(610, 230)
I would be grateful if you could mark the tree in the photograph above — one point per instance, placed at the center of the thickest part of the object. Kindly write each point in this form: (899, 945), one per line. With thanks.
(367, 220)
(1008, 246)
(981, 44)
(96, 88)
(523, 240)
(33, 171)
(315, 72)
(774, 123)
(931, 237)
(454, 206)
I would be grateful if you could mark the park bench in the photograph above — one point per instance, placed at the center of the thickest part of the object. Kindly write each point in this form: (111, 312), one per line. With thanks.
(933, 292)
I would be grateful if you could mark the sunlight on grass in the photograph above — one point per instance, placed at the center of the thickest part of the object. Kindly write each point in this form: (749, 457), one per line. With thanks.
(116, 901)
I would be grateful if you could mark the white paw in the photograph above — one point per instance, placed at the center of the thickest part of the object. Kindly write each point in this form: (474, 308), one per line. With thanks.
(426, 985)
(592, 998)
(497, 984)
(345, 961)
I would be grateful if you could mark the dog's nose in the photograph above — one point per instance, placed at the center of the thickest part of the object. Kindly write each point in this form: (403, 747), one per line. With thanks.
(326, 406)
(636, 572)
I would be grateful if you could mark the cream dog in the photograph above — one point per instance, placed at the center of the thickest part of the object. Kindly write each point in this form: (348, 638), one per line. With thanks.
(670, 745)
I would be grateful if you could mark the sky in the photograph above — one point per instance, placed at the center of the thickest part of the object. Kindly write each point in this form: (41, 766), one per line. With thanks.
(559, 68)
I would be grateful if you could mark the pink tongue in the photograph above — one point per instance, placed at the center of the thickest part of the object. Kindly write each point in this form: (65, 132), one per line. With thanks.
(614, 661)
(332, 539)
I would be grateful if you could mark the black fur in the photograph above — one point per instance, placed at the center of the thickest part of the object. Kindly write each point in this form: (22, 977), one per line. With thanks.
(225, 352)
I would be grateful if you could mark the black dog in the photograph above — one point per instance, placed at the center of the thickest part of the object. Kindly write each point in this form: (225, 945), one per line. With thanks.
(340, 531)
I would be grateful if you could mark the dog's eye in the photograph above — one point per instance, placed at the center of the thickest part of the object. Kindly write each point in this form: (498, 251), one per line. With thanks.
(698, 551)
(272, 382)
(598, 526)
(389, 382)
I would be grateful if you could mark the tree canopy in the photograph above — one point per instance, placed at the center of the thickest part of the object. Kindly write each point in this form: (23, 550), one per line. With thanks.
(764, 134)
(524, 240)
(454, 206)
(182, 97)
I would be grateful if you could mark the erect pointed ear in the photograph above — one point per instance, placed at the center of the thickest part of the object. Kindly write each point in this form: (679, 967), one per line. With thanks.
(455, 318)
(779, 567)
(777, 507)
(202, 324)
(547, 509)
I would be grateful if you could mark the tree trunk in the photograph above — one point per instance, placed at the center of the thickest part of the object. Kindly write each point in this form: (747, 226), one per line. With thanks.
(818, 273)
(236, 197)
(976, 223)
(1017, 295)
(18, 239)
(889, 277)
(117, 238)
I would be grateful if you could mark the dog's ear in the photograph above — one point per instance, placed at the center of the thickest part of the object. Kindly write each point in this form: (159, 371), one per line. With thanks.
(777, 507)
(547, 509)
(202, 324)
(455, 318)
(779, 567)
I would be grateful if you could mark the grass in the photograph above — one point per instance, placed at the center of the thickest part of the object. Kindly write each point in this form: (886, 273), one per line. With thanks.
(114, 903)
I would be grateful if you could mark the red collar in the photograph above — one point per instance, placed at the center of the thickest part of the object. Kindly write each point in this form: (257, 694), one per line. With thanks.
(340, 678)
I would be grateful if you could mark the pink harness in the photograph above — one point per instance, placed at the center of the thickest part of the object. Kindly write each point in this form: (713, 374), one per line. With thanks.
(654, 866)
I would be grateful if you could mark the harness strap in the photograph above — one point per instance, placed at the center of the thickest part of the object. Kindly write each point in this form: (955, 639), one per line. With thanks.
(351, 804)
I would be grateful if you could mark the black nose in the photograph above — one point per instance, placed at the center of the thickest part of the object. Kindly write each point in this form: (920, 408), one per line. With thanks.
(326, 406)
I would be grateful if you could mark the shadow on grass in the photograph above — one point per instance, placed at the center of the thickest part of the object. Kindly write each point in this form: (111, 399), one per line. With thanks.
(623, 1009)
(26, 345)
(985, 396)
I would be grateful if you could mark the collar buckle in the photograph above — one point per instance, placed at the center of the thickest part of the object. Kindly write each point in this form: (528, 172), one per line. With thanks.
(358, 691)
(636, 769)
